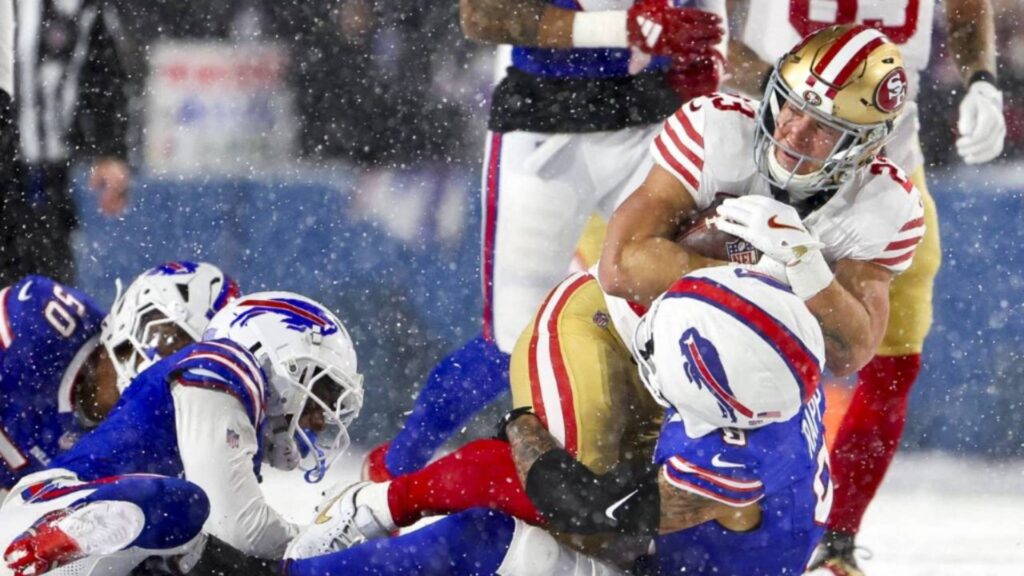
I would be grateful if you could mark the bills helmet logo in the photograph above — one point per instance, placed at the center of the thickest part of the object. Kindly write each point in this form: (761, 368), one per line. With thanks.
(296, 314)
(892, 91)
(703, 368)
(174, 269)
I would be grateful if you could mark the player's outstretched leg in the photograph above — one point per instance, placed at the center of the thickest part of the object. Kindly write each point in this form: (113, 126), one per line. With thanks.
(470, 543)
(458, 387)
(481, 474)
(150, 515)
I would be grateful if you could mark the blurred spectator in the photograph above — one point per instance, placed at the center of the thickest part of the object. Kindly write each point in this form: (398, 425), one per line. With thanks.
(363, 73)
(70, 104)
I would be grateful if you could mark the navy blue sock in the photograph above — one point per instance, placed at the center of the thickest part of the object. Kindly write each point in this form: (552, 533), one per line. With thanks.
(459, 386)
(471, 543)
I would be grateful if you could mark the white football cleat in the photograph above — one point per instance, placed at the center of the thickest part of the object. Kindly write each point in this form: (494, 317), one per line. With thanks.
(351, 516)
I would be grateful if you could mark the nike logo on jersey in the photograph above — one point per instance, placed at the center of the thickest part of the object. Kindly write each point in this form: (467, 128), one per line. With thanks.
(773, 223)
(610, 511)
(23, 294)
(719, 463)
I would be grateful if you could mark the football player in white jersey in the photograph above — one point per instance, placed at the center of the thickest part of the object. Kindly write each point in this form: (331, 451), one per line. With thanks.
(871, 429)
(589, 83)
(831, 216)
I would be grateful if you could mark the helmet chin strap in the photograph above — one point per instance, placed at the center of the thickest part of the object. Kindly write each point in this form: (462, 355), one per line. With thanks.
(799, 186)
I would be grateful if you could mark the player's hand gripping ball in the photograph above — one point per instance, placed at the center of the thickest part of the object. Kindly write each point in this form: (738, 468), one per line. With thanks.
(699, 236)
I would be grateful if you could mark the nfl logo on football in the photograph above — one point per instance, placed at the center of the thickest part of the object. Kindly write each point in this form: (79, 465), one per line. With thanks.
(741, 252)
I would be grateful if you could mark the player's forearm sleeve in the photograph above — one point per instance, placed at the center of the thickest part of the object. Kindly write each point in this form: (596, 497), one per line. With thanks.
(217, 442)
(573, 499)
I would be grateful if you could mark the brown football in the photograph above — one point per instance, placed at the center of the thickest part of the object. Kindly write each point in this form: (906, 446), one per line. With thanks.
(697, 236)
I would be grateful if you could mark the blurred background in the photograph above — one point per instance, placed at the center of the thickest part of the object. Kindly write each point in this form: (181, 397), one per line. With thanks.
(332, 147)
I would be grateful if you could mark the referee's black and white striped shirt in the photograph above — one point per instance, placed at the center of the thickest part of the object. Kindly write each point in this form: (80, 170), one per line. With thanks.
(69, 79)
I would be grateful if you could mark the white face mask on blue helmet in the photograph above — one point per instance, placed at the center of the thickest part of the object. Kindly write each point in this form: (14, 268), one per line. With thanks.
(310, 364)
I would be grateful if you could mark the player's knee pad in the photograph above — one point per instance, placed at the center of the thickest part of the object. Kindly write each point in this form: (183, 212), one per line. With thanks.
(539, 223)
(535, 552)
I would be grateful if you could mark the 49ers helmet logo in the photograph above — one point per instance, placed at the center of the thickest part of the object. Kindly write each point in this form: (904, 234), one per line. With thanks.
(892, 91)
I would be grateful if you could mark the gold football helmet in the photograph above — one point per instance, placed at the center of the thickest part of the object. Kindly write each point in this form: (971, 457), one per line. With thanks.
(849, 78)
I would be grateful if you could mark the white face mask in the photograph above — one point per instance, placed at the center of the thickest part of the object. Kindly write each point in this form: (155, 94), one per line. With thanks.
(799, 186)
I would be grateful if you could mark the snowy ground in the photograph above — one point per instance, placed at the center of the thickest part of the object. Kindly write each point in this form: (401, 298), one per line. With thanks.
(935, 515)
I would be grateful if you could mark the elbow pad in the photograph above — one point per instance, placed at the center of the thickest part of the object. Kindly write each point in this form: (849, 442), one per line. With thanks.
(573, 499)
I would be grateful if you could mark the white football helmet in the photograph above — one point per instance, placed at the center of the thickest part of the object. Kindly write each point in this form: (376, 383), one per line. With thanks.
(730, 347)
(185, 295)
(310, 362)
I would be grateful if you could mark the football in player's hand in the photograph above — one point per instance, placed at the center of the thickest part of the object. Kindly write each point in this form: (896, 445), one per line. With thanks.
(699, 236)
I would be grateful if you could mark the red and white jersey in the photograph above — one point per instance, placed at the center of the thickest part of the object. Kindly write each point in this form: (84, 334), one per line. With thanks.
(708, 145)
(877, 216)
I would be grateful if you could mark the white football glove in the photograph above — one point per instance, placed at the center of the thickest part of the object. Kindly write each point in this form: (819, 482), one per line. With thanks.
(772, 227)
(348, 516)
(981, 124)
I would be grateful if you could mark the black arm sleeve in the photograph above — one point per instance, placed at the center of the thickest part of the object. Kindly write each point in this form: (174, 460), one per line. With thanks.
(574, 499)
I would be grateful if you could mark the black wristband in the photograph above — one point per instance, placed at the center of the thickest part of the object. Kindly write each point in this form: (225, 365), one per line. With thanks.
(982, 76)
(571, 498)
(501, 432)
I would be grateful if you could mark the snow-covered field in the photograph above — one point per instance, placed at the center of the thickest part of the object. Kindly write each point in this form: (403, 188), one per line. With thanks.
(935, 515)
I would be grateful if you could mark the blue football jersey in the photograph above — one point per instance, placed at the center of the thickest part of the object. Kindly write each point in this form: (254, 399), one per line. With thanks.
(783, 466)
(140, 434)
(47, 332)
(582, 62)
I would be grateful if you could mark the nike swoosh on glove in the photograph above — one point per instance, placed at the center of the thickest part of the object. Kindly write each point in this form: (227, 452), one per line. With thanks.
(772, 227)
(981, 124)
